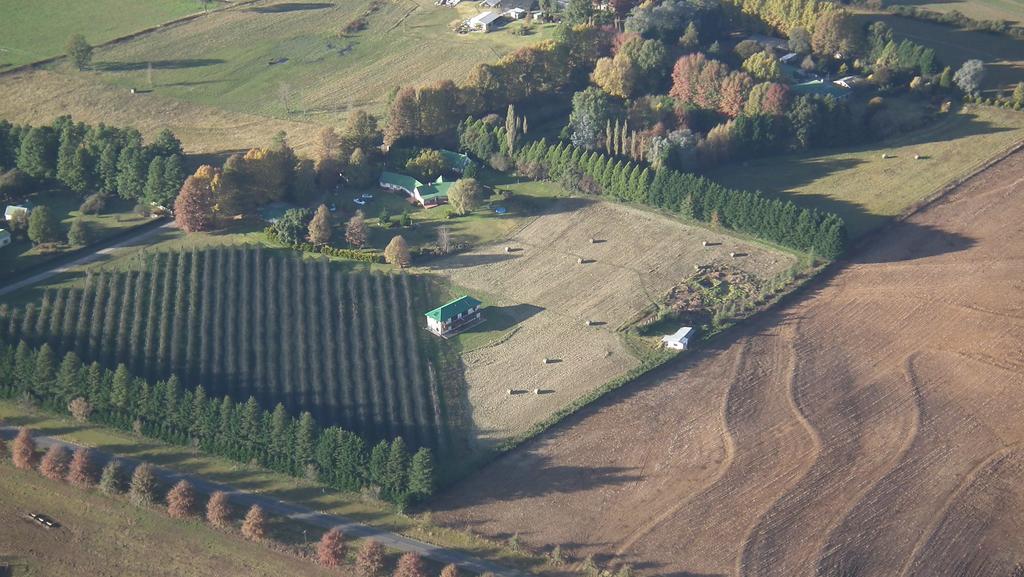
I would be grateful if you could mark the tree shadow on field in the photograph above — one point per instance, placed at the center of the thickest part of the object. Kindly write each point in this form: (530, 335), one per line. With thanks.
(471, 260)
(291, 7)
(175, 64)
(916, 242)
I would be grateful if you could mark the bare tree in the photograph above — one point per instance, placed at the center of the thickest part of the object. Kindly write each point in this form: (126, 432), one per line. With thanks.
(444, 239)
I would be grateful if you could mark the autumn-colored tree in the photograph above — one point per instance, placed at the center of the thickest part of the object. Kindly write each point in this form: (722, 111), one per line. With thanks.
(142, 490)
(397, 252)
(735, 88)
(370, 559)
(763, 66)
(330, 552)
(218, 510)
(80, 409)
(403, 120)
(320, 227)
(82, 472)
(23, 451)
(410, 565)
(767, 98)
(181, 500)
(355, 230)
(464, 195)
(450, 570)
(836, 32)
(54, 465)
(616, 76)
(254, 527)
(194, 207)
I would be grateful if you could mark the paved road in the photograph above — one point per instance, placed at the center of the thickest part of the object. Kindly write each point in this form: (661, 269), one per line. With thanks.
(292, 511)
(91, 256)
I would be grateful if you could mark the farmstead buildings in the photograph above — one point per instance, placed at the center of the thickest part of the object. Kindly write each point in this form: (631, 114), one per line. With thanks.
(454, 316)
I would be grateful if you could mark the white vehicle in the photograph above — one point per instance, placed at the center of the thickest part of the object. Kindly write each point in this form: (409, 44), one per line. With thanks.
(334, 208)
(359, 201)
(367, 196)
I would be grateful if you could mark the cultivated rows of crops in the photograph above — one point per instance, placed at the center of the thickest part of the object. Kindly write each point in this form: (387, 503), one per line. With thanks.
(346, 346)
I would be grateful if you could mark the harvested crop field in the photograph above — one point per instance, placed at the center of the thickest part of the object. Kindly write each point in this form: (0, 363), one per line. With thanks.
(871, 428)
(543, 297)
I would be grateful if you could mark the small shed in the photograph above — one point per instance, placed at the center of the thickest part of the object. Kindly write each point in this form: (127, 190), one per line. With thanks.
(454, 316)
(679, 340)
(5, 237)
(484, 21)
(13, 209)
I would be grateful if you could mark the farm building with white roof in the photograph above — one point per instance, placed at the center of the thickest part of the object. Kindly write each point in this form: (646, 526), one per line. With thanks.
(679, 340)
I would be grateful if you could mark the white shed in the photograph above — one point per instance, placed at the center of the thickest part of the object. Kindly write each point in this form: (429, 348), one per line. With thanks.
(483, 21)
(679, 340)
(13, 209)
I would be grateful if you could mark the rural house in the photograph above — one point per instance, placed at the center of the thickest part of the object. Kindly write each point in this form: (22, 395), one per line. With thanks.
(484, 21)
(427, 195)
(454, 316)
(13, 209)
(5, 237)
(679, 340)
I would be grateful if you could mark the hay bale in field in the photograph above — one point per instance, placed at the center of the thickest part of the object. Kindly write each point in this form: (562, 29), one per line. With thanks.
(732, 254)
(508, 249)
(579, 261)
(884, 156)
(917, 157)
(509, 391)
(704, 243)
(546, 360)
(593, 240)
(536, 391)
(590, 322)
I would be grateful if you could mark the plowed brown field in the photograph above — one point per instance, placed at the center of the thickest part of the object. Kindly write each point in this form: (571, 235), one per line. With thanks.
(871, 428)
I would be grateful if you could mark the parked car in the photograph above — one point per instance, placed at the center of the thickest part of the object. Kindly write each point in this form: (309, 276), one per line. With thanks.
(367, 196)
(359, 201)
(333, 208)
(44, 520)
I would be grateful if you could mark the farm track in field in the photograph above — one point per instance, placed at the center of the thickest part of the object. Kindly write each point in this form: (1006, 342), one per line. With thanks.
(870, 428)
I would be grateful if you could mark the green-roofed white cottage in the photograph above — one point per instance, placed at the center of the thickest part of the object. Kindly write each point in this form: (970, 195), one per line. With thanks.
(5, 237)
(454, 316)
(427, 195)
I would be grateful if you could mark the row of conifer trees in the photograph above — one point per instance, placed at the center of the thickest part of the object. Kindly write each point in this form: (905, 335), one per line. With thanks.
(240, 431)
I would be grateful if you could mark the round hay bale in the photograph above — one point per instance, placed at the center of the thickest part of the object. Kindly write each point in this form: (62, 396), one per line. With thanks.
(917, 157)
(508, 249)
(546, 360)
(536, 391)
(593, 240)
(579, 261)
(884, 156)
(589, 322)
(732, 254)
(704, 243)
(509, 391)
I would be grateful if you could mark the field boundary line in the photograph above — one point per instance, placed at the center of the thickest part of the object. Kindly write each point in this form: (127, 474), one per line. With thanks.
(131, 36)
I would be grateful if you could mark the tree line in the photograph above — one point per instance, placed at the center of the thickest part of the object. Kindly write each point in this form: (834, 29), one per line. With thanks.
(688, 195)
(98, 160)
(240, 431)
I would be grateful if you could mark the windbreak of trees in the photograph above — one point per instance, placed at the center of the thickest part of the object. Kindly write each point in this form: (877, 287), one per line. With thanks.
(241, 431)
(688, 195)
(97, 159)
(341, 346)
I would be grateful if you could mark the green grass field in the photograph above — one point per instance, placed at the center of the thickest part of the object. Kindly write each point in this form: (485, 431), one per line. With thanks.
(102, 535)
(32, 31)
(1003, 55)
(1010, 10)
(292, 59)
(257, 480)
(21, 254)
(866, 190)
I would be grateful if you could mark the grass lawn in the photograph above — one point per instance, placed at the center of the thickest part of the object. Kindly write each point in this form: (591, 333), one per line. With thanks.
(101, 535)
(866, 190)
(1011, 10)
(258, 480)
(31, 31)
(20, 254)
(291, 60)
(1003, 55)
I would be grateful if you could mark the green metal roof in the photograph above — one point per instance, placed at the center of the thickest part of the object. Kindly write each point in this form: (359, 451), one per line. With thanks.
(434, 190)
(455, 160)
(450, 310)
(402, 180)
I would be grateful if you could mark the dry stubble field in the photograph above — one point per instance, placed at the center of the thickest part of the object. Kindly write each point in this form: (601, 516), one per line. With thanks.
(639, 256)
(872, 428)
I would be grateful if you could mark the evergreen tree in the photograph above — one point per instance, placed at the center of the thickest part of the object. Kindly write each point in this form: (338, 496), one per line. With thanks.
(67, 379)
(45, 372)
(378, 467)
(305, 431)
(37, 156)
(142, 490)
(421, 474)
(153, 191)
(79, 233)
(111, 481)
(43, 226)
(119, 395)
(131, 168)
(396, 476)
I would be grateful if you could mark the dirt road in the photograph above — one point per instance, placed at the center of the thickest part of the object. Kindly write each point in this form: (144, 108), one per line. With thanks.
(871, 428)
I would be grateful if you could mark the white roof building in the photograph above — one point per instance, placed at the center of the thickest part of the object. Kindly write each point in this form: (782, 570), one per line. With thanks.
(483, 21)
(679, 340)
(13, 209)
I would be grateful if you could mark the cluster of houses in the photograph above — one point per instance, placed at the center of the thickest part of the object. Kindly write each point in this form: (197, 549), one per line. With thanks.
(427, 194)
(498, 11)
(806, 82)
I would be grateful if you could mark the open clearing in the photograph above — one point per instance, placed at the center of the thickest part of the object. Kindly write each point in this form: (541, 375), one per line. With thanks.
(871, 428)
(38, 30)
(539, 298)
(108, 537)
(1010, 10)
(866, 190)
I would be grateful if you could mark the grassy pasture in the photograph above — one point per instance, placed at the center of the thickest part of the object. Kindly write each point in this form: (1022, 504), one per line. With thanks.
(1011, 10)
(32, 31)
(292, 60)
(1003, 55)
(866, 190)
